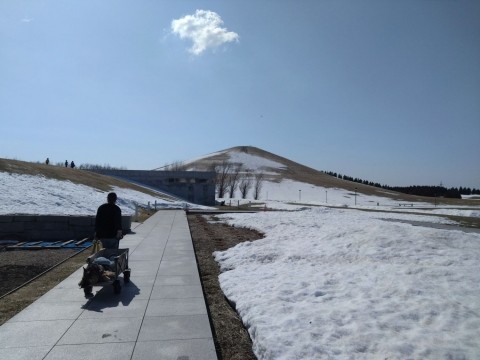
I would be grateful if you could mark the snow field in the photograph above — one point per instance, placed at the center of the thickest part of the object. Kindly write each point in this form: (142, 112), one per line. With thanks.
(325, 282)
(343, 284)
(27, 194)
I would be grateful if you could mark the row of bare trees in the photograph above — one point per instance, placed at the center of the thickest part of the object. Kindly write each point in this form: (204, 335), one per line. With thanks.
(230, 177)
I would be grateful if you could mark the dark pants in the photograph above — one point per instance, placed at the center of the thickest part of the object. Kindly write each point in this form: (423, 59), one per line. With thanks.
(110, 243)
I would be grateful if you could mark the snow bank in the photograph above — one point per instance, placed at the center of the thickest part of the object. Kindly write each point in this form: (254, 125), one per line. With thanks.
(294, 191)
(27, 194)
(343, 284)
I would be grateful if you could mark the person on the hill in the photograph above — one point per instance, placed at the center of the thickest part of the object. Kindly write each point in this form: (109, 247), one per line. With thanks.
(72, 164)
(108, 223)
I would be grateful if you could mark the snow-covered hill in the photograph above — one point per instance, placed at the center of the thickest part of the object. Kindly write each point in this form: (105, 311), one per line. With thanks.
(277, 169)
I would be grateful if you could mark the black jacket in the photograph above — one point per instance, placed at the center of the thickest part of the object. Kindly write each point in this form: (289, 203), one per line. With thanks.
(108, 221)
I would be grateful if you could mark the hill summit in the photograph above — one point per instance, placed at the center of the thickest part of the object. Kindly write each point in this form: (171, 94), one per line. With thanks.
(275, 168)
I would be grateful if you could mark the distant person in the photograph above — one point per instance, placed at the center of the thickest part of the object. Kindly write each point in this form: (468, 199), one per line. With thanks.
(66, 163)
(108, 223)
(72, 164)
(47, 161)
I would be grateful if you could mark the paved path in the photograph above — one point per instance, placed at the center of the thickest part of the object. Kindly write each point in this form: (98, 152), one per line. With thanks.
(160, 314)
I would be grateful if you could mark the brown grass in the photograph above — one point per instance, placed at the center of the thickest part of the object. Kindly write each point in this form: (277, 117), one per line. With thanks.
(291, 170)
(77, 176)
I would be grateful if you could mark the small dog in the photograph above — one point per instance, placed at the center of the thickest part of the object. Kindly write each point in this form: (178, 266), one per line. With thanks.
(94, 274)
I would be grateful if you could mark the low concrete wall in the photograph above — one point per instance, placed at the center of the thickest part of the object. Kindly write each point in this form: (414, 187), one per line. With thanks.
(51, 227)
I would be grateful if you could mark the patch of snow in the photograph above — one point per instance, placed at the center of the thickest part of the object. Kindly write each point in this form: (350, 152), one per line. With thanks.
(326, 282)
(471, 197)
(252, 162)
(188, 162)
(334, 283)
(28, 194)
(292, 195)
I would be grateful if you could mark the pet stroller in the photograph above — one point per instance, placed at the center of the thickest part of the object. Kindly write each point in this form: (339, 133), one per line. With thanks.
(103, 268)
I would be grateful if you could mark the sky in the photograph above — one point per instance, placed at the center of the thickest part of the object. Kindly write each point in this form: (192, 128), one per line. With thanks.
(387, 91)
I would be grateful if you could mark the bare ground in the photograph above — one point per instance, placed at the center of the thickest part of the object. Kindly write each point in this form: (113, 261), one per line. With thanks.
(231, 338)
(28, 264)
(232, 341)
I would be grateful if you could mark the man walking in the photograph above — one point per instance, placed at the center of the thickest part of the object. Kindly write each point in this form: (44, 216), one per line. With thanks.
(108, 223)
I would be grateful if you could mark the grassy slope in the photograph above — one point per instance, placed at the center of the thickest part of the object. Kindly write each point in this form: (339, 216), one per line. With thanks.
(301, 173)
(77, 176)
(292, 170)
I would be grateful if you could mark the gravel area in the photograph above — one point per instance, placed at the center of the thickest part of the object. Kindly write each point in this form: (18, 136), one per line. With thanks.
(19, 266)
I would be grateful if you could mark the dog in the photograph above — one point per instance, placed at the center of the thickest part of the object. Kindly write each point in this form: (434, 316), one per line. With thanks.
(94, 274)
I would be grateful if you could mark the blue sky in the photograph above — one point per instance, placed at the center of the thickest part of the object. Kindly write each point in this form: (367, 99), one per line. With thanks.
(388, 91)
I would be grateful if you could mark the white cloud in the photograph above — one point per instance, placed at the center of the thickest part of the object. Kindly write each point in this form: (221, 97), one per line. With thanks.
(205, 29)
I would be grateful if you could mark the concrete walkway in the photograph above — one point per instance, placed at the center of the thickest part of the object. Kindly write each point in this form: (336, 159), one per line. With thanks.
(160, 314)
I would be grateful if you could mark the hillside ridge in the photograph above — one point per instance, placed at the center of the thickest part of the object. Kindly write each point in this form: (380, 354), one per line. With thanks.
(289, 170)
(298, 172)
(77, 176)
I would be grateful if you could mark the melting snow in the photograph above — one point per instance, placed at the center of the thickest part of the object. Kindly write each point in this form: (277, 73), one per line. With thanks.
(325, 283)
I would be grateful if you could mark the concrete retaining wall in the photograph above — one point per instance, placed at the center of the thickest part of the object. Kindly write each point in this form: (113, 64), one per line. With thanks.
(50, 227)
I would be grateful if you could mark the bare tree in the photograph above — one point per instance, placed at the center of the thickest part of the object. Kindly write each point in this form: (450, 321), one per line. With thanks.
(257, 186)
(221, 179)
(245, 185)
(233, 180)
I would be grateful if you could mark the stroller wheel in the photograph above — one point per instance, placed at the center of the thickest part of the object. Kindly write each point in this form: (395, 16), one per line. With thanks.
(126, 276)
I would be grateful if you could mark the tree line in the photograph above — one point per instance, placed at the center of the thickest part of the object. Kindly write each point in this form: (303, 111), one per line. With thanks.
(420, 190)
